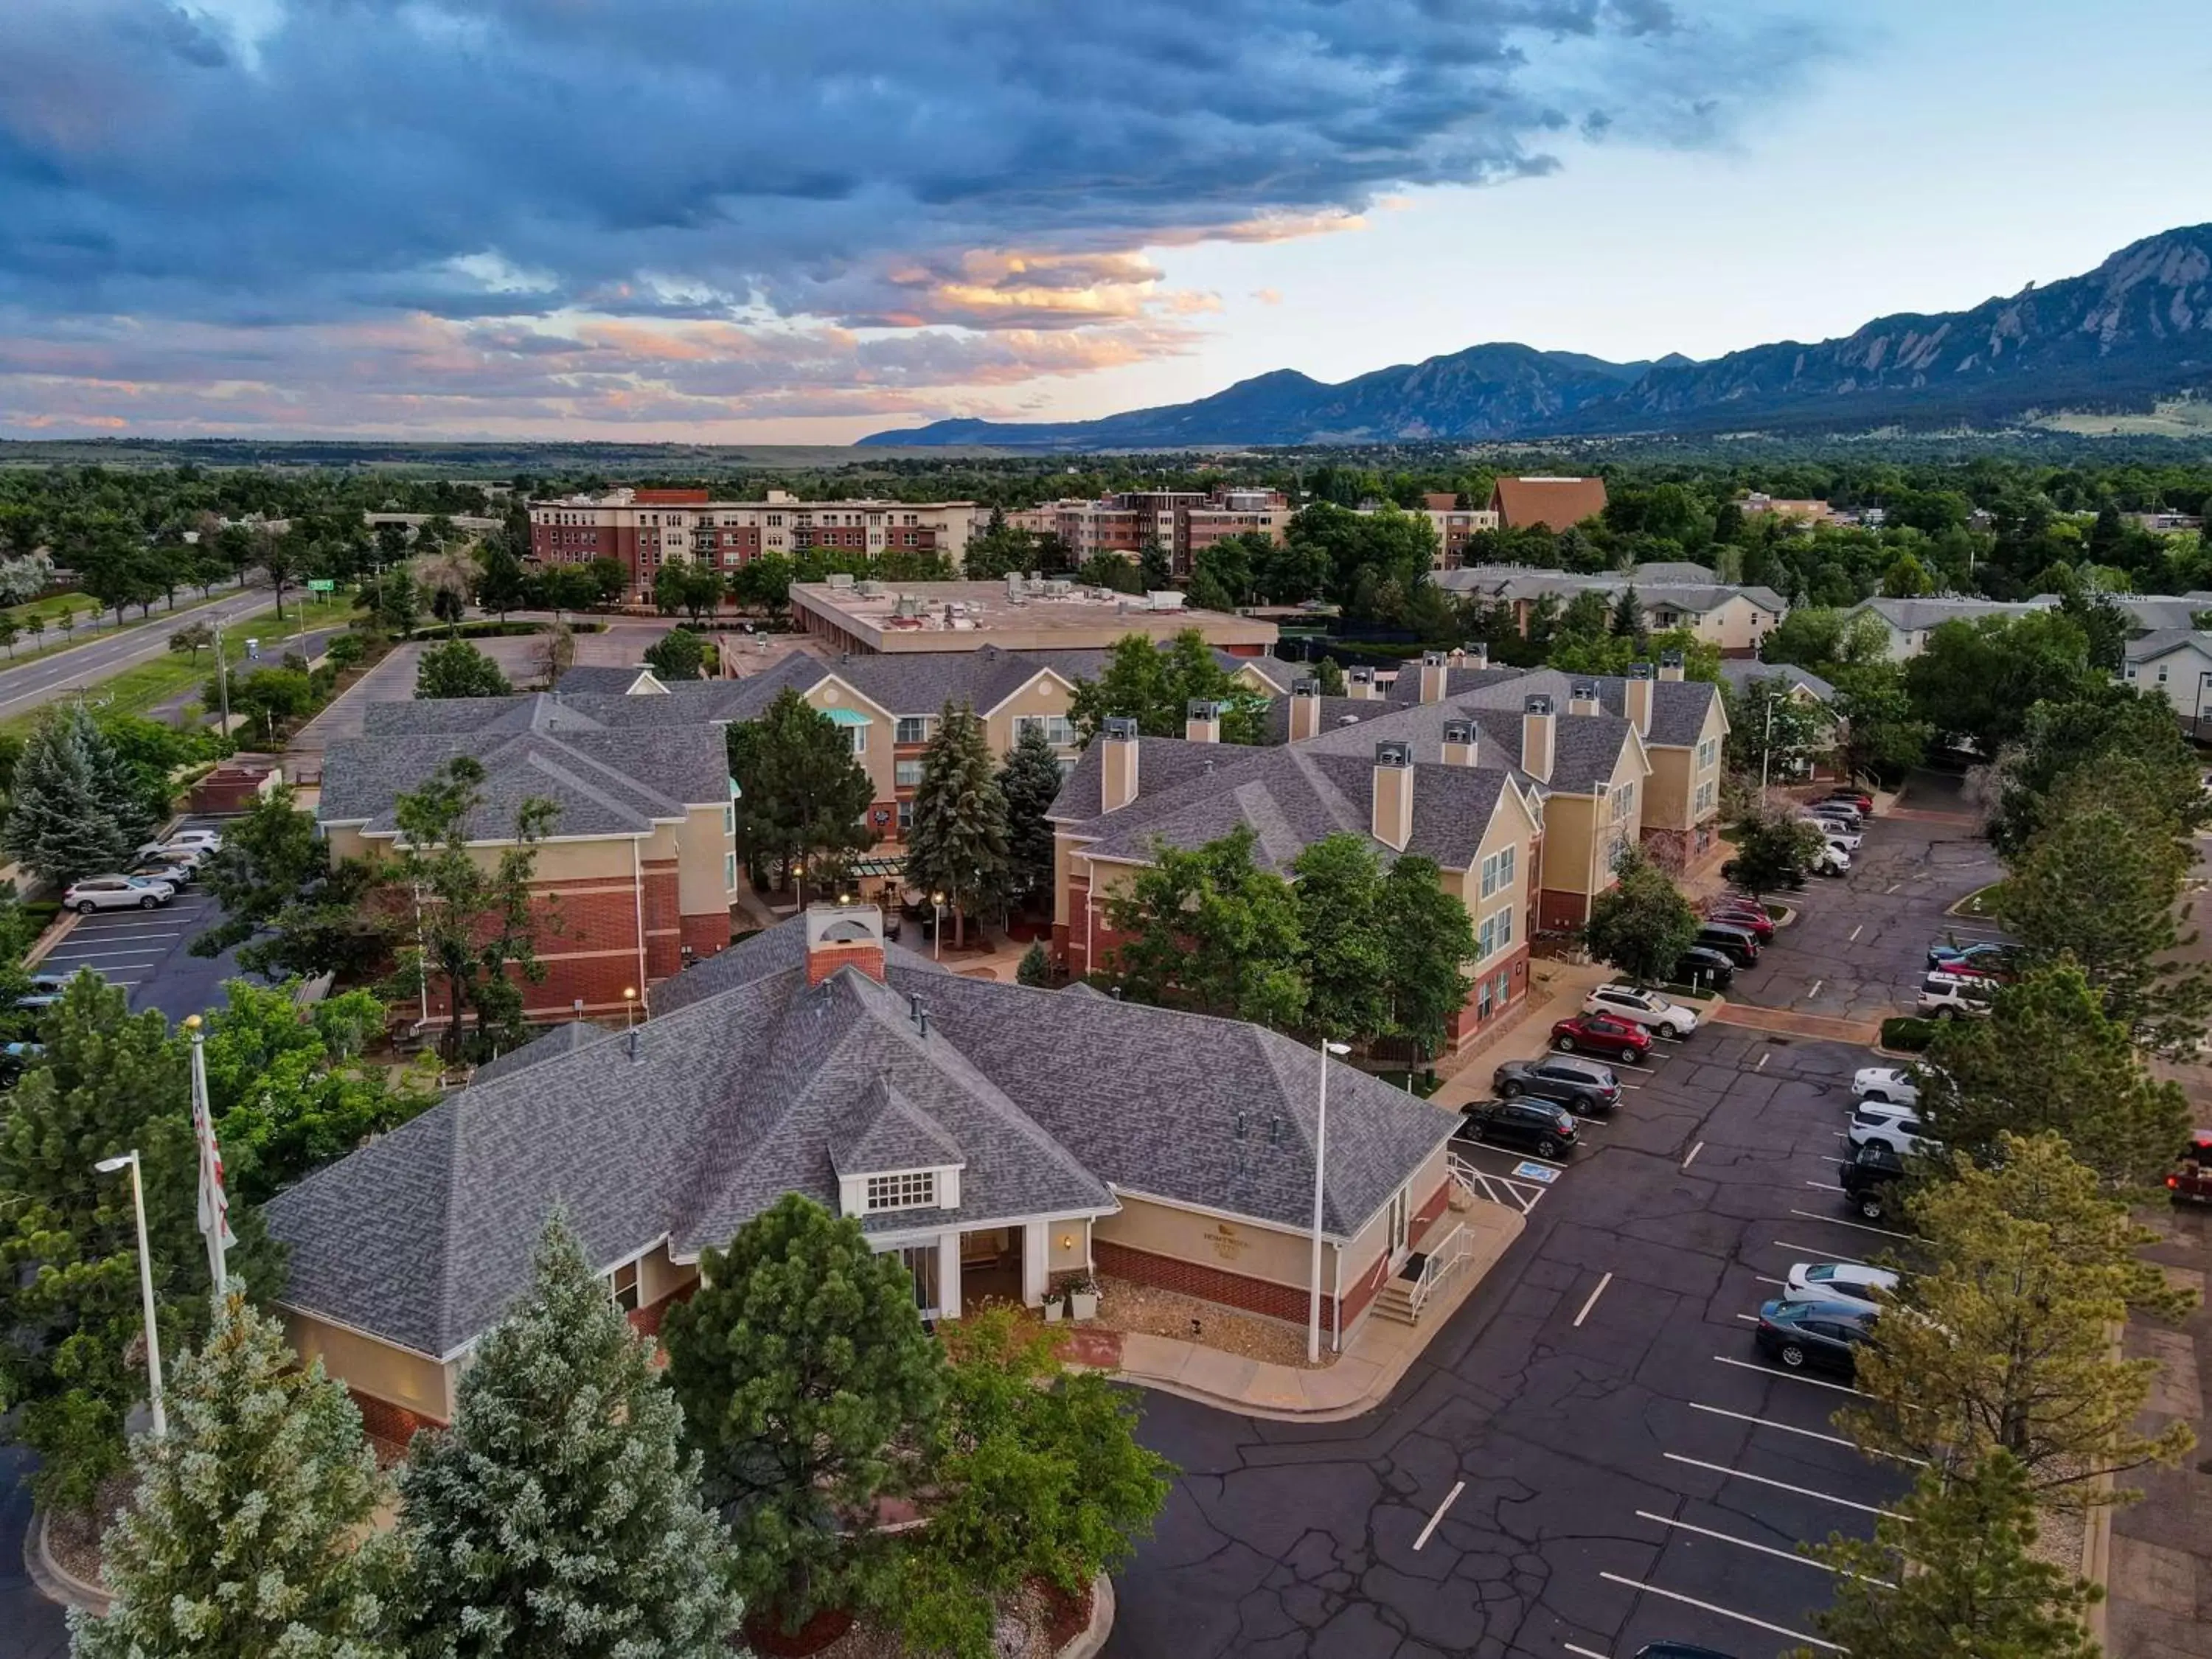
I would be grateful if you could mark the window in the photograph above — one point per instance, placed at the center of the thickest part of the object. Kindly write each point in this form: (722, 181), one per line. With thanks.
(2161, 674)
(623, 1281)
(1624, 801)
(860, 739)
(1482, 1000)
(920, 1261)
(730, 873)
(1707, 793)
(1497, 872)
(914, 728)
(907, 773)
(1706, 750)
(1495, 933)
(916, 1190)
(1059, 731)
(906, 815)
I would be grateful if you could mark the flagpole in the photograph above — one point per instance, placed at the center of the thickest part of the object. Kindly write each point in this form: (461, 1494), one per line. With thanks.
(214, 1202)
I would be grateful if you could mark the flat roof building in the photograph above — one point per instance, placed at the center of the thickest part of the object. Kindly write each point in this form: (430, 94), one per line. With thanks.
(1016, 614)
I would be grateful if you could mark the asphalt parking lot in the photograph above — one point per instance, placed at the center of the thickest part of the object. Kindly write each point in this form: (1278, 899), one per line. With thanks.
(1592, 1454)
(145, 951)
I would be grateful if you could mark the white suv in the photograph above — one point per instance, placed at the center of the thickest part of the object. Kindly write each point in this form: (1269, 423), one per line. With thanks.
(1947, 995)
(117, 893)
(1646, 1008)
(203, 841)
(1885, 1084)
(1893, 1127)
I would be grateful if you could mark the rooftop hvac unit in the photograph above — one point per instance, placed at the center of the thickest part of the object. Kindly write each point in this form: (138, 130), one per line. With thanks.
(1166, 600)
(869, 590)
(840, 580)
(1058, 588)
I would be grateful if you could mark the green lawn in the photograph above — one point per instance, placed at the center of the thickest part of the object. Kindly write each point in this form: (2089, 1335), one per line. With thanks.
(136, 690)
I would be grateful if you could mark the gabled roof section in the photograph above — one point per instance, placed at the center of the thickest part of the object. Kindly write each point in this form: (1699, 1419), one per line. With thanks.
(1162, 764)
(1742, 673)
(600, 680)
(886, 1131)
(2165, 642)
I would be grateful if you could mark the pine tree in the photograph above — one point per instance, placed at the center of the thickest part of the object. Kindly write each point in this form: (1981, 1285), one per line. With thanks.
(1952, 1574)
(1034, 968)
(804, 795)
(801, 1366)
(250, 1536)
(63, 820)
(1030, 783)
(560, 1514)
(1627, 620)
(957, 842)
(74, 1356)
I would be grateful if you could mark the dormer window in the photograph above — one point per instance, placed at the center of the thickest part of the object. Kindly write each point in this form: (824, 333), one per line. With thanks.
(909, 1189)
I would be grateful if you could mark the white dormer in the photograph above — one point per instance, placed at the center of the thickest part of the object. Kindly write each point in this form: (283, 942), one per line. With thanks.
(890, 1191)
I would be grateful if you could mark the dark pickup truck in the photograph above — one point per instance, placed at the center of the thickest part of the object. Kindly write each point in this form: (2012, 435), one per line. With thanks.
(1870, 1180)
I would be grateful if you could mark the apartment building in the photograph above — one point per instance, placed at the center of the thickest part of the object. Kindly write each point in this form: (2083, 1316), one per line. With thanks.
(997, 1139)
(1908, 622)
(636, 874)
(1181, 521)
(1454, 526)
(2176, 664)
(866, 619)
(1733, 617)
(643, 529)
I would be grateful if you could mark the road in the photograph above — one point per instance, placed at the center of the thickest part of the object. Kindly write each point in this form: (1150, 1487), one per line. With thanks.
(49, 679)
(1626, 1468)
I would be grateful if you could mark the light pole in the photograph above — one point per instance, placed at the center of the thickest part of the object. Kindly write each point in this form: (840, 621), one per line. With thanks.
(109, 1166)
(1320, 1165)
(222, 677)
(1766, 749)
(937, 927)
(629, 1007)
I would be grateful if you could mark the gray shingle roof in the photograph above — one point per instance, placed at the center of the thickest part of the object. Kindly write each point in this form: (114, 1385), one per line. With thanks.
(1162, 764)
(691, 1124)
(2163, 612)
(598, 680)
(1911, 616)
(1741, 673)
(1678, 708)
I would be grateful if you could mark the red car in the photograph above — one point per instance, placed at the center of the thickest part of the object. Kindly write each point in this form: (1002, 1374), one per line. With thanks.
(1601, 1034)
(1863, 802)
(1749, 917)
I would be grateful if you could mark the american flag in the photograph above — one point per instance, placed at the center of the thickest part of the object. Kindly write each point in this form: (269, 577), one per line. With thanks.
(215, 1202)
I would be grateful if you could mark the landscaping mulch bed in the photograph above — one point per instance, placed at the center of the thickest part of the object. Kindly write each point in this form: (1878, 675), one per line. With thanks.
(1034, 1624)
(73, 1535)
(1124, 1306)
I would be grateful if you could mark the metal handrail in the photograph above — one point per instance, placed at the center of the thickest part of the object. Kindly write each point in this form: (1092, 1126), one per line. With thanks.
(1437, 1264)
(1497, 1189)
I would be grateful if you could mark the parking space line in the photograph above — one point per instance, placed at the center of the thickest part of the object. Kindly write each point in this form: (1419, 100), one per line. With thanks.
(1827, 1186)
(1458, 1487)
(1741, 1617)
(1783, 1485)
(1764, 1549)
(1763, 1059)
(1815, 991)
(1769, 1423)
(1819, 1254)
(1856, 1226)
(1693, 1157)
(1748, 1319)
(1792, 1377)
(1856, 932)
(1584, 1653)
(83, 956)
(1592, 1302)
(1761, 1279)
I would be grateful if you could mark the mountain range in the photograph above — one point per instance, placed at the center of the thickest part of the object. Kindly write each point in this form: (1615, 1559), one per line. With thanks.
(2135, 330)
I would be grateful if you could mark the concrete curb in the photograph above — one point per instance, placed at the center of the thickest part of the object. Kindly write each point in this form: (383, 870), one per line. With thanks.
(59, 929)
(54, 1581)
(1092, 1637)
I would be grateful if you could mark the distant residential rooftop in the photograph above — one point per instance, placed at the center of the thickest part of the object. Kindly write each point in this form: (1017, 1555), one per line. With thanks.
(1018, 614)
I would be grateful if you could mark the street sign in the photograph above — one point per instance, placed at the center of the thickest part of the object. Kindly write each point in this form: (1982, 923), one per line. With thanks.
(1540, 1172)
(322, 585)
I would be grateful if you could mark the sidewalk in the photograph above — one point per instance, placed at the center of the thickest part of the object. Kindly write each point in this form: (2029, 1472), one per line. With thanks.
(1380, 1354)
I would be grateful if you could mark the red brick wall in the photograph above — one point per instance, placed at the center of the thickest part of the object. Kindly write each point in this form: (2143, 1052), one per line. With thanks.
(395, 1426)
(827, 960)
(1558, 908)
(1468, 1029)
(1258, 1295)
(708, 936)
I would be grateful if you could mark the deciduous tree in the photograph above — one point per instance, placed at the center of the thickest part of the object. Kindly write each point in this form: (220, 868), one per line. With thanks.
(455, 668)
(1428, 939)
(803, 1371)
(1346, 957)
(1155, 687)
(560, 1514)
(252, 1535)
(292, 909)
(1771, 850)
(680, 654)
(1643, 924)
(1205, 929)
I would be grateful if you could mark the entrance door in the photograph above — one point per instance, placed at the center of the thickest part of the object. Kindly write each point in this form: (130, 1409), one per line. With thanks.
(1402, 1216)
(921, 1265)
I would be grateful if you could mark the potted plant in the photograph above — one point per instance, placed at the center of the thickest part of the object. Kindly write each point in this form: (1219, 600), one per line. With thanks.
(1054, 1306)
(1083, 1297)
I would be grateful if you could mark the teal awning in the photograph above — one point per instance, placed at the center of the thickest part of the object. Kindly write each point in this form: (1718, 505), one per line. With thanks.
(848, 717)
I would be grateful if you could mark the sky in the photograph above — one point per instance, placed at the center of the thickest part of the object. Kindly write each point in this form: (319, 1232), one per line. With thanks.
(731, 220)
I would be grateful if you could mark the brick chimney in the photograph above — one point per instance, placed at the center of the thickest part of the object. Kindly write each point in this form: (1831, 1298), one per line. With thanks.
(844, 936)
(1670, 664)
(1637, 699)
(1581, 697)
(1202, 721)
(1117, 764)
(1436, 675)
(1360, 684)
(1305, 709)
(1461, 739)
(1536, 729)
(1393, 794)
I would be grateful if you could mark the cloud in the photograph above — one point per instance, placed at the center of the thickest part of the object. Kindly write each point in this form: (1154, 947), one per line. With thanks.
(989, 166)
(1268, 296)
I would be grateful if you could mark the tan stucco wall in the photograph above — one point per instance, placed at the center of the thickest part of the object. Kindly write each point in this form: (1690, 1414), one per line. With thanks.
(1567, 843)
(659, 1277)
(1667, 791)
(1373, 1238)
(375, 1368)
(1045, 694)
(1241, 1247)
(1075, 1254)
(1510, 826)
(1063, 867)
(829, 692)
(700, 847)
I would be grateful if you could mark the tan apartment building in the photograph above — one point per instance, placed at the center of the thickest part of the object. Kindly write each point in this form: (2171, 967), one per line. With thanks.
(996, 1140)
(1734, 619)
(643, 529)
(1181, 521)
(1454, 526)
(636, 874)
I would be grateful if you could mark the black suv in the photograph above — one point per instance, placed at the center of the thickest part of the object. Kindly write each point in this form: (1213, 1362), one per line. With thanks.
(1739, 944)
(1698, 963)
(1580, 1085)
(1543, 1128)
(1870, 1180)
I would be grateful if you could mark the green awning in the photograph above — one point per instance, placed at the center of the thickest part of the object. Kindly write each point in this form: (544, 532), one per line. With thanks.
(848, 717)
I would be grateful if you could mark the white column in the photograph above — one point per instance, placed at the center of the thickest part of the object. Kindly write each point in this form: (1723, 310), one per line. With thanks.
(948, 1273)
(1036, 1261)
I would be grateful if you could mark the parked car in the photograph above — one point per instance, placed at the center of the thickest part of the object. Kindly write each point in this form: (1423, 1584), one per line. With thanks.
(1601, 1034)
(1844, 813)
(1580, 1085)
(1837, 1281)
(1946, 996)
(1886, 1083)
(117, 892)
(1830, 860)
(1857, 799)
(45, 991)
(1742, 913)
(1679, 1650)
(1893, 1126)
(1739, 944)
(15, 1059)
(1837, 833)
(1700, 965)
(1645, 1008)
(1822, 1335)
(1536, 1125)
(2191, 1183)
(176, 875)
(210, 839)
(1991, 961)
(1870, 1179)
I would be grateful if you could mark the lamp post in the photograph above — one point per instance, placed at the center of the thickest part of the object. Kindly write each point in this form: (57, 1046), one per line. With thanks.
(1766, 749)
(629, 1007)
(223, 676)
(1321, 1164)
(937, 927)
(109, 1166)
